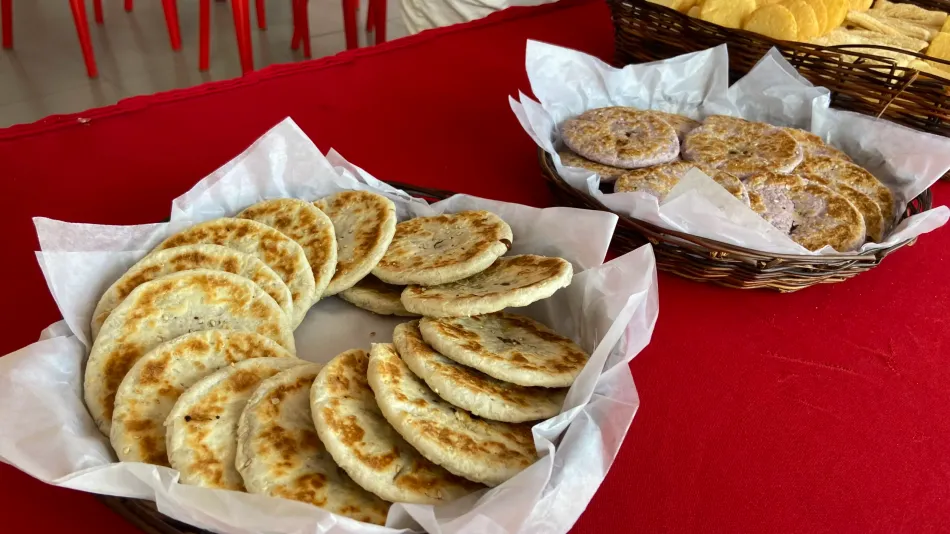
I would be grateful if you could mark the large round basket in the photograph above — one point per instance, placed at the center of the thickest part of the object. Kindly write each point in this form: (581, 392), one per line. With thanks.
(707, 260)
(144, 514)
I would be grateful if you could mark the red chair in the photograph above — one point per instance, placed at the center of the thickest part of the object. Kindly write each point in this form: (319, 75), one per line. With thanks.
(376, 19)
(82, 26)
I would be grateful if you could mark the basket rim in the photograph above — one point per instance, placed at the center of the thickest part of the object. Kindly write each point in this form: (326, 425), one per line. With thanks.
(827, 50)
(706, 244)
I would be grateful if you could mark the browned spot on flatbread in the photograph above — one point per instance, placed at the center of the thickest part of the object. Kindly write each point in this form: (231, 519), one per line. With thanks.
(306, 488)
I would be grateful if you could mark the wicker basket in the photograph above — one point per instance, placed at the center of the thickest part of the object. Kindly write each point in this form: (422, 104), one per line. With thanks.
(871, 85)
(144, 514)
(707, 260)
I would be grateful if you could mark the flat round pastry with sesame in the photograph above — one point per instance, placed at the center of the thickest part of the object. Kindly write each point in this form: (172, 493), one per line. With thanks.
(680, 123)
(150, 388)
(621, 137)
(188, 258)
(364, 224)
(606, 172)
(443, 248)
(201, 429)
(473, 390)
(509, 347)
(814, 147)
(856, 177)
(373, 454)
(510, 281)
(308, 226)
(742, 147)
(659, 180)
(279, 252)
(372, 294)
(489, 452)
(279, 453)
(168, 307)
(822, 217)
(874, 221)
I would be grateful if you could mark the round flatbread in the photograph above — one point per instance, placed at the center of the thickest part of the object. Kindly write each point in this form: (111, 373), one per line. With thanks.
(659, 180)
(187, 258)
(443, 248)
(822, 217)
(874, 221)
(201, 429)
(279, 453)
(360, 440)
(374, 295)
(606, 172)
(279, 252)
(621, 137)
(852, 175)
(489, 452)
(472, 390)
(364, 224)
(775, 206)
(680, 123)
(150, 388)
(163, 309)
(509, 347)
(741, 147)
(814, 147)
(510, 281)
(308, 226)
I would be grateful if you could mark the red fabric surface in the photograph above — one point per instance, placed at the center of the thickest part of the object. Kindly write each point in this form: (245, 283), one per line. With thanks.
(826, 410)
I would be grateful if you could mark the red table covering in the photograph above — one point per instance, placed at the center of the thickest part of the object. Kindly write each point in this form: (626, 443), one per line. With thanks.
(826, 410)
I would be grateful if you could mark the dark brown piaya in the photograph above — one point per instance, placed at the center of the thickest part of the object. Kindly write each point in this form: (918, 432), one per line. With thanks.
(872, 85)
(707, 260)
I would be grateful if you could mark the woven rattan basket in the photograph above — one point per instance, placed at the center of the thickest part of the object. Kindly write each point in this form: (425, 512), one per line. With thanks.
(871, 85)
(707, 260)
(144, 514)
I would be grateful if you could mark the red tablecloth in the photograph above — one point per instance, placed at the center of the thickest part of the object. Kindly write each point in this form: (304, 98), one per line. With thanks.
(826, 410)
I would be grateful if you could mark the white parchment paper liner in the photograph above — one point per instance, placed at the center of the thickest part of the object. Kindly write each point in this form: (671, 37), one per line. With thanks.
(610, 309)
(567, 83)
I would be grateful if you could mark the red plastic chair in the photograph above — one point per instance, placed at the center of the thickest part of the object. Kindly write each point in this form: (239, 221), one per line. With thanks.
(78, 8)
(376, 19)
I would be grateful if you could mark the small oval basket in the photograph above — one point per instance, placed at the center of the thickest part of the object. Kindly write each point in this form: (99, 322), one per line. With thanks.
(707, 260)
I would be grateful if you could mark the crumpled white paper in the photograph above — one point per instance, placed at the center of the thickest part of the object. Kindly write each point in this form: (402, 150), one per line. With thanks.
(568, 82)
(610, 309)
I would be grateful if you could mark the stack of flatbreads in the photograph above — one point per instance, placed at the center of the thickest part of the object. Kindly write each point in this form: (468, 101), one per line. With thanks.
(804, 187)
(193, 363)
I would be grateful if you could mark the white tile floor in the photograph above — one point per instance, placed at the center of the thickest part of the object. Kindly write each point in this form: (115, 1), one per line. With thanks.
(44, 74)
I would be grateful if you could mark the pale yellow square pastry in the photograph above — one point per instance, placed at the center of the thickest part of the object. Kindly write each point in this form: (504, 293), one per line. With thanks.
(940, 46)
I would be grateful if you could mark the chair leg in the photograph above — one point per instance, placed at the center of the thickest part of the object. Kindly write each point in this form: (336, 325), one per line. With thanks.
(242, 29)
(6, 19)
(295, 10)
(261, 15)
(128, 6)
(170, 7)
(204, 35)
(305, 28)
(369, 17)
(377, 8)
(97, 10)
(350, 24)
(85, 42)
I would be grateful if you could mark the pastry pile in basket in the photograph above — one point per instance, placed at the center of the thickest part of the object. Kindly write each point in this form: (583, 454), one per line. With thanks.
(837, 22)
(807, 189)
(193, 364)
